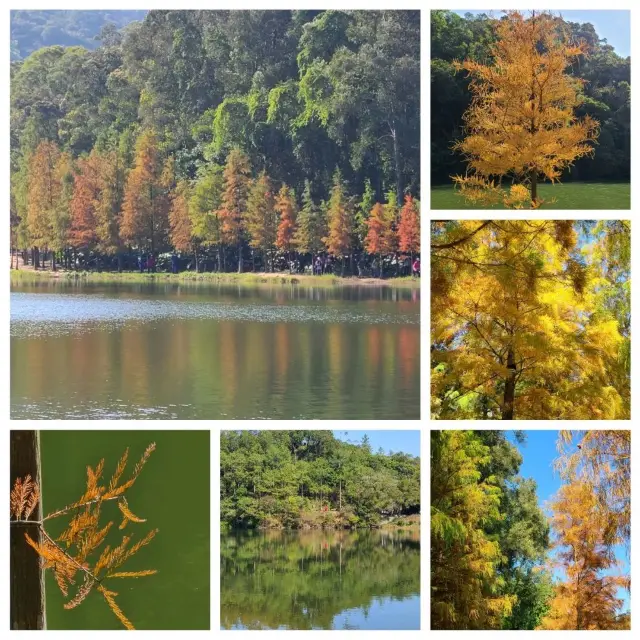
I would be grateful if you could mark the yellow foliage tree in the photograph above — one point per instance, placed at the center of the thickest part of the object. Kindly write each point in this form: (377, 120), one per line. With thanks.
(465, 585)
(585, 536)
(522, 121)
(73, 552)
(518, 327)
(601, 459)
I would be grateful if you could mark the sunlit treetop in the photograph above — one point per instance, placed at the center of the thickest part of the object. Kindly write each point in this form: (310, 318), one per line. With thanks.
(529, 320)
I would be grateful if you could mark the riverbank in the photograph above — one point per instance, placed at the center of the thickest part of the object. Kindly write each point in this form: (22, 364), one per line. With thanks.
(251, 279)
(325, 520)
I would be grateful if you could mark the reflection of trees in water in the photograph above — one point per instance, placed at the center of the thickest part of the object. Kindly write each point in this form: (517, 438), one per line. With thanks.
(279, 368)
(302, 580)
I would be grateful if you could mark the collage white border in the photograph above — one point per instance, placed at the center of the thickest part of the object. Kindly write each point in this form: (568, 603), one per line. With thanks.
(424, 424)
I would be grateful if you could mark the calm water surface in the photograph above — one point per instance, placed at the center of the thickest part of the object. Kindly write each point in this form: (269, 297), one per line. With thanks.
(213, 352)
(320, 580)
(178, 596)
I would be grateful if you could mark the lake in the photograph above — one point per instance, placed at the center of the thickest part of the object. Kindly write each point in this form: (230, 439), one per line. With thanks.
(320, 579)
(178, 596)
(164, 351)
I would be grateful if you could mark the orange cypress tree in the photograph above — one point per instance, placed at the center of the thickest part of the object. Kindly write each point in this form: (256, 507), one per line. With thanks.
(585, 538)
(409, 227)
(43, 193)
(340, 221)
(145, 206)
(237, 178)
(261, 218)
(84, 202)
(286, 208)
(378, 224)
(181, 229)
(522, 121)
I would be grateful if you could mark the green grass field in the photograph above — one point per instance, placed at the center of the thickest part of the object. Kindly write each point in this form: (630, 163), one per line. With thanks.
(569, 195)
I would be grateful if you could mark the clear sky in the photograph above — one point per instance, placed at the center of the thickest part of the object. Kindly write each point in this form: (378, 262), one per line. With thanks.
(391, 441)
(538, 453)
(614, 26)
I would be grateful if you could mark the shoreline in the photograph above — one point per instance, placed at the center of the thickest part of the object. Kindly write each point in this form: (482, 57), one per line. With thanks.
(254, 279)
(407, 525)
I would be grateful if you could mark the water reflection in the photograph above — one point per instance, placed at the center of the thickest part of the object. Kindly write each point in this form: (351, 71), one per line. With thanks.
(320, 580)
(119, 353)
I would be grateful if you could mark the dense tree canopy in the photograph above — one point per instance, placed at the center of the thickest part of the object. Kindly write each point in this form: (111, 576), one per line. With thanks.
(530, 319)
(604, 95)
(498, 561)
(294, 98)
(488, 535)
(297, 479)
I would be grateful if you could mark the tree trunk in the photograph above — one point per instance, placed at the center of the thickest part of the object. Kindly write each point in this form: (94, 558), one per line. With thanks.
(195, 254)
(534, 186)
(219, 258)
(240, 257)
(509, 386)
(53, 261)
(396, 157)
(26, 575)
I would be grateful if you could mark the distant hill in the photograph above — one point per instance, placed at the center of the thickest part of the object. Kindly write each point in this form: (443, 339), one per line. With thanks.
(31, 30)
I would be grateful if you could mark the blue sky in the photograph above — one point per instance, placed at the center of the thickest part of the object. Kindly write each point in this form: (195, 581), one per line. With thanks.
(614, 26)
(403, 441)
(538, 453)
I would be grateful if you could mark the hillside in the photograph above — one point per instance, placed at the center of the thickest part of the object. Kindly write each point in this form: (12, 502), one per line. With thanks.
(31, 30)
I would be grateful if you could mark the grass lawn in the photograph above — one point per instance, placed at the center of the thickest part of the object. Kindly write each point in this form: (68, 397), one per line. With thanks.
(568, 195)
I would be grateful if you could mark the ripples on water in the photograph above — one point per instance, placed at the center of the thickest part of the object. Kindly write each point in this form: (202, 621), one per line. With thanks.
(43, 314)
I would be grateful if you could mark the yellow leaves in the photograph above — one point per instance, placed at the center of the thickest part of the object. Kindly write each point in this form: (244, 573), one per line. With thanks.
(24, 498)
(109, 596)
(118, 491)
(523, 285)
(82, 593)
(122, 463)
(522, 116)
(604, 336)
(519, 197)
(132, 574)
(582, 525)
(127, 513)
(83, 535)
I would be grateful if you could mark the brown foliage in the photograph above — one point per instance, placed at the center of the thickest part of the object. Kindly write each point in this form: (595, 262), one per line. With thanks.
(286, 208)
(146, 204)
(237, 176)
(409, 227)
(181, 229)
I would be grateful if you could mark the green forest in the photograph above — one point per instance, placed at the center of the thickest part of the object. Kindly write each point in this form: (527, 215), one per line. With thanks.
(310, 479)
(267, 138)
(279, 579)
(502, 560)
(606, 95)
